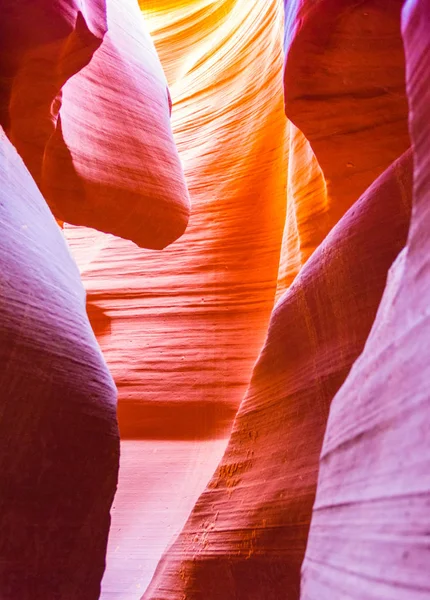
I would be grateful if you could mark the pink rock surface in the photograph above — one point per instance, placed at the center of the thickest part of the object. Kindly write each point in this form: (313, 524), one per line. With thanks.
(43, 44)
(246, 536)
(181, 330)
(112, 163)
(159, 483)
(58, 431)
(345, 89)
(84, 99)
(369, 538)
(93, 127)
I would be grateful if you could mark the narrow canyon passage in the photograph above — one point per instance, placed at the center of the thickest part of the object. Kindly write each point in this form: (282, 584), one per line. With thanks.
(214, 299)
(159, 483)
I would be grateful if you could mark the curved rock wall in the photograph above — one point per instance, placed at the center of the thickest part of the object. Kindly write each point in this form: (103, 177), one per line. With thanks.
(59, 442)
(84, 99)
(345, 89)
(182, 376)
(309, 210)
(369, 535)
(181, 330)
(246, 536)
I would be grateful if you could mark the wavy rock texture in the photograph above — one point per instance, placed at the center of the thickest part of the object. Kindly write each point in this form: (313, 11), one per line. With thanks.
(246, 536)
(59, 441)
(345, 93)
(215, 287)
(84, 100)
(181, 330)
(369, 537)
(36, 61)
(99, 143)
(112, 163)
(345, 90)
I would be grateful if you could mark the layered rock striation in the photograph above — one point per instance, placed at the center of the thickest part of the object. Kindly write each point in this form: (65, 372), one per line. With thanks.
(369, 535)
(246, 536)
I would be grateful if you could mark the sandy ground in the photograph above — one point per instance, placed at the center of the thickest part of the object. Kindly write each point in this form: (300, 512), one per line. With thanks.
(159, 484)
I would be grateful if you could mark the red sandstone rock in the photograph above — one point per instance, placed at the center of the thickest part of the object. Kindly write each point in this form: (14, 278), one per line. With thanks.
(42, 45)
(344, 89)
(246, 536)
(96, 137)
(58, 430)
(112, 163)
(369, 538)
(181, 330)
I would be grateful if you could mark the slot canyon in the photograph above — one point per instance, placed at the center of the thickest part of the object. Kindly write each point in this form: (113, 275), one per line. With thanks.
(215, 299)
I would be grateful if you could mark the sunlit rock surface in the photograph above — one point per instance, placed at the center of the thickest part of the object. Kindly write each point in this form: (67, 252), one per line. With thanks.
(369, 537)
(309, 213)
(59, 441)
(247, 534)
(181, 330)
(257, 217)
(84, 100)
(96, 137)
(159, 483)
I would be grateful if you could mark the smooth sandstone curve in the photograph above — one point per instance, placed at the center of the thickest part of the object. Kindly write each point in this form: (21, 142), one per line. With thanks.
(344, 87)
(85, 101)
(246, 536)
(369, 537)
(198, 311)
(59, 442)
